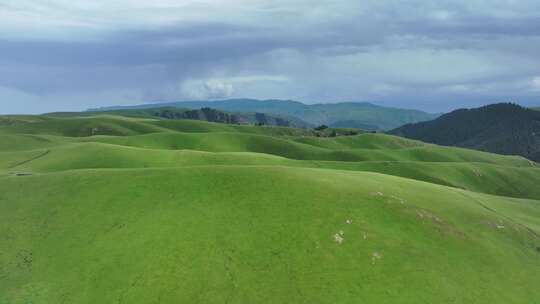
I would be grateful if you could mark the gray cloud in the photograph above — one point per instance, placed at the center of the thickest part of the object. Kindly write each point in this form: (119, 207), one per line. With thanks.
(435, 55)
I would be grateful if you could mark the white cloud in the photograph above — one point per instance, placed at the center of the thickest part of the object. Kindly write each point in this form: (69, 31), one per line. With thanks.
(216, 88)
(536, 83)
(224, 87)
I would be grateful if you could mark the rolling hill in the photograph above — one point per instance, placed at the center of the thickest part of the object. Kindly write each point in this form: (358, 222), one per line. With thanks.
(360, 115)
(206, 114)
(116, 209)
(500, 128)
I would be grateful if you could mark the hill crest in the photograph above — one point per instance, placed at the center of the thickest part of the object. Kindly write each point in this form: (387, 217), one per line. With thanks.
(204, 114)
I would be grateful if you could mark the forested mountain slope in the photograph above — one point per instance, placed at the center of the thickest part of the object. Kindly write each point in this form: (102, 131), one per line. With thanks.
(499, 128)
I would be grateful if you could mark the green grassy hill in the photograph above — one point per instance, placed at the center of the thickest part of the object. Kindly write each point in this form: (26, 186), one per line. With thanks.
(109, 209)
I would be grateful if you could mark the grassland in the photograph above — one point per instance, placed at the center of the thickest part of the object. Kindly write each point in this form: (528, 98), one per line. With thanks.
(110, 209)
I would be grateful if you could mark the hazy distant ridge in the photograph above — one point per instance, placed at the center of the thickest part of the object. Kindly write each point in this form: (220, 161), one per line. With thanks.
(362, 115)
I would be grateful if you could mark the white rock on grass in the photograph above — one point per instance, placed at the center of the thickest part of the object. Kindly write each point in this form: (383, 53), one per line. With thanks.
(375, 257)
(338, 238)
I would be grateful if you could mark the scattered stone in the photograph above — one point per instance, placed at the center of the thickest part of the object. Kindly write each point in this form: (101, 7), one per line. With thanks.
(499, 226)
(426, 214)
(402, 201)
(375, 257)
(348, 221)
(338, 238)
(364, 235)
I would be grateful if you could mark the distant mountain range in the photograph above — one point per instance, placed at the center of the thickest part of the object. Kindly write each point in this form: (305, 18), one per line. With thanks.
(206, 114)
(361, 115)
(503, 128)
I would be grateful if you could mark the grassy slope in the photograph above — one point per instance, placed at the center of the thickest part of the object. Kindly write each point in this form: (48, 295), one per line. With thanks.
(367, 141)
(222, 223)
(161, 235)
(86, 126)
(480, 177)
(22, 142)
(122, 126)
(241, 142)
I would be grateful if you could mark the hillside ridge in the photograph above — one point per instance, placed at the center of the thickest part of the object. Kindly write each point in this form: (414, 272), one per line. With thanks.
(204, 113)
(345, 114)
(503, 128)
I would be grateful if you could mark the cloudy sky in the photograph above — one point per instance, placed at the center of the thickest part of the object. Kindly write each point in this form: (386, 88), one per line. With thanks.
(431, 55)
